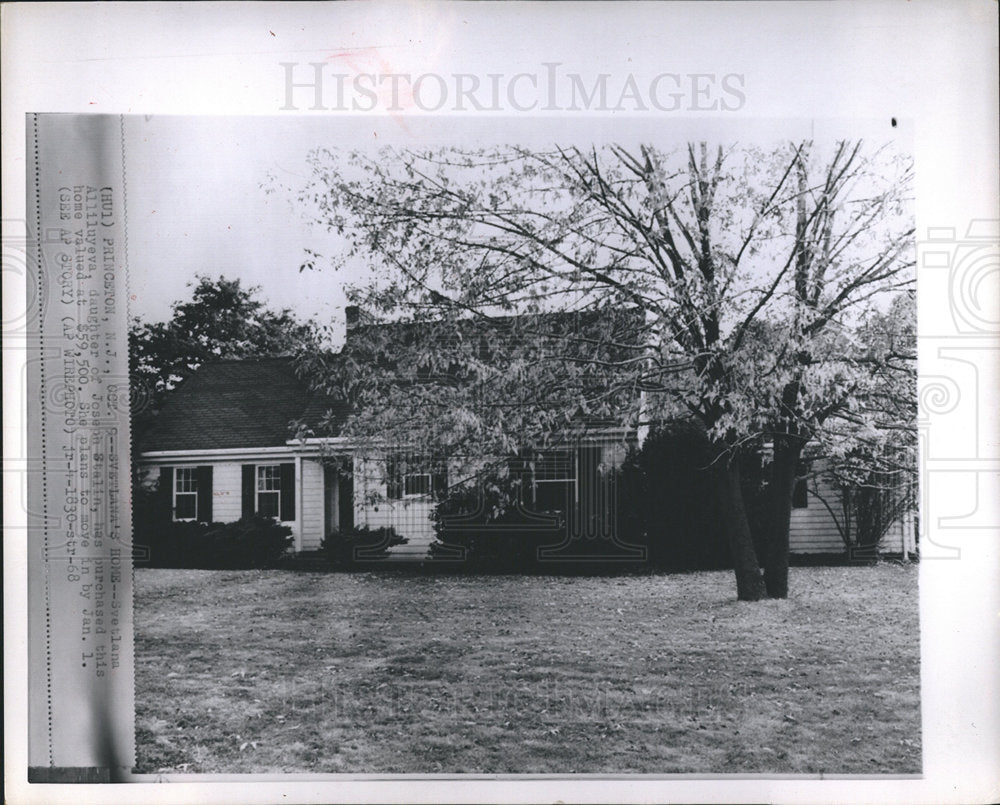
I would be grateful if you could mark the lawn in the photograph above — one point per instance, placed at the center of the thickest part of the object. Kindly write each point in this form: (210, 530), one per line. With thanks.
(278, 671)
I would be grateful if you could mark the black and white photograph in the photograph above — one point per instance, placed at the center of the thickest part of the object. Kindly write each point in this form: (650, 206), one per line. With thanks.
(515, 459)
(501, 429)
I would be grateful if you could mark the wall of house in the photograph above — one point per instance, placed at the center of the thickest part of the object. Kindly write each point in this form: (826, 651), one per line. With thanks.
(814, 529)
(313, 511)
(901, 536)
(227, 492)
(410, 517)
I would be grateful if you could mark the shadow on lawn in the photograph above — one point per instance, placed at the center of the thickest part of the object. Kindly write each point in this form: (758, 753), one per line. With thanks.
(317, 563)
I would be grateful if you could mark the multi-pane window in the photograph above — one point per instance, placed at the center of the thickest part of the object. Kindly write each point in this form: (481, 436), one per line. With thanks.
(553, 480)
(416, 483)
(268, 490)
(411, 476)
(186, 493)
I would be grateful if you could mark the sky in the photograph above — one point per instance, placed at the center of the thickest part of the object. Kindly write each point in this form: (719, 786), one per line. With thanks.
(197, 205)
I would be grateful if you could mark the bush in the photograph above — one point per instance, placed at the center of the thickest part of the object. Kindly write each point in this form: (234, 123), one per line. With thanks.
(158, 541)
(169, 544)
(350, 547)
(481, 527)
(665, 502)
(668, 501)
(253, 542)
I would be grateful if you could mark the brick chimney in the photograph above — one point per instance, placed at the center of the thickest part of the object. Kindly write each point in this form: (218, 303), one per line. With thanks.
(353, 315)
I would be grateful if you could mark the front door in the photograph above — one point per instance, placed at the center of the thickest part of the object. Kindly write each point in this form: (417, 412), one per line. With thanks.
(338, 497)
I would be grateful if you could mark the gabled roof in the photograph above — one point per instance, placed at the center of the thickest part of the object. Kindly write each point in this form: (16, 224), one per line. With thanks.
(237, 403)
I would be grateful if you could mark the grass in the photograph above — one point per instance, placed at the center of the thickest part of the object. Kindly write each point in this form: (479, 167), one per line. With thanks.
(276, 671)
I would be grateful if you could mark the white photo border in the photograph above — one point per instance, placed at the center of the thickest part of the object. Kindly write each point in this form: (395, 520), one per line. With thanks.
(924, 65)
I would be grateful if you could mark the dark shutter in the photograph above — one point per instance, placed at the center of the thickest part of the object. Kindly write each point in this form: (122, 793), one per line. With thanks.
(249, 490)
(345, 498)
(800, 492)
(204, 477)
(439, 481)
(393, 478)
(165, 494)
(800, 495)
(287, 474)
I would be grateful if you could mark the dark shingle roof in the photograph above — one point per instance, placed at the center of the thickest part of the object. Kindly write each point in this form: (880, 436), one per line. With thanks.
(236, 403)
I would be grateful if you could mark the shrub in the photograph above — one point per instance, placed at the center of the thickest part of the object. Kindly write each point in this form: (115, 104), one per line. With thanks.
(253, 542)
(668, 501)
(665, 502)
(169, 544)
(482, 527)
(158, 541)
(350, 547)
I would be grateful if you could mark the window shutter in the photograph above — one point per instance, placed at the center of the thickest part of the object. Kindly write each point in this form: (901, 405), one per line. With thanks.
(165, 494)
(287, 474)
(204, 477)
(439, 481)
(800, 495)
(393, 479)
(800, 492)
(249, 490)
(345, 498)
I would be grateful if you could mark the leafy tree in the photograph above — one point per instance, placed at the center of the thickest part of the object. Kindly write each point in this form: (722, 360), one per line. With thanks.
(712, 282)
(873, 442)
(223, 319)
(851, 247)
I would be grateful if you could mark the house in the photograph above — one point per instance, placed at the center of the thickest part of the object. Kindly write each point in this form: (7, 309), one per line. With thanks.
(223, 447)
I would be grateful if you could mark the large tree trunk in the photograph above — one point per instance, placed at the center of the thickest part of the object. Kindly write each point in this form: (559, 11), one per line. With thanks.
(749, 583)
(787, 451)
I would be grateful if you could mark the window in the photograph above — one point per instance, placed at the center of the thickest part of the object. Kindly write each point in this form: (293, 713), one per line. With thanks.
(268, 490)
(553, 480)
(416, 483)
(408, 476)
(186, 493)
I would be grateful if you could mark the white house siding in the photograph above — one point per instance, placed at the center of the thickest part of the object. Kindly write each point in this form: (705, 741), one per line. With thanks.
(892, 542)
(313, 513)
(227, 492)
(410, 517)
(901, 536)
(814, 529)
(227, 489)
